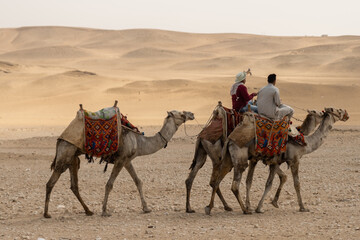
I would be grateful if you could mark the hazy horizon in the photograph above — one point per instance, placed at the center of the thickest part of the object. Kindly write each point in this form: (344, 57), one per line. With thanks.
(275, 18)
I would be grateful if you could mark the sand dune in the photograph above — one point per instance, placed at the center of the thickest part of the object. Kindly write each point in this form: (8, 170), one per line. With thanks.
(7, 67)
(50, 70)
(52, 52)
(347, 64)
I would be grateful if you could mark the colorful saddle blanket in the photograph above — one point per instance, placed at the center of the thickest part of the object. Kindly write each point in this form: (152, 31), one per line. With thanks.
(102, 132)
(215, 130)
(299, 139)
(271, 136)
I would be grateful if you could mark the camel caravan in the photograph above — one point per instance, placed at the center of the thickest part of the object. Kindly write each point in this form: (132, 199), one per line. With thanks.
(236, 137)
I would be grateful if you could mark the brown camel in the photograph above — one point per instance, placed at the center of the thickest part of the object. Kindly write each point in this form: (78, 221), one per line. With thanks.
(134, 145)
(204, 148)
(237, 157)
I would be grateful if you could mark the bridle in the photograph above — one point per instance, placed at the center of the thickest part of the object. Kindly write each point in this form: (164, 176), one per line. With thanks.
(177, 126)
(344, 117)
(164, 139)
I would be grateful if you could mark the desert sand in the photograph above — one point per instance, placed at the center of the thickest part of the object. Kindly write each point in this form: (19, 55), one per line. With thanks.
(46, 72)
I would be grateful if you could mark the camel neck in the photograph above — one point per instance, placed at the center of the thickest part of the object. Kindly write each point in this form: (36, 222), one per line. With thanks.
(308, 125)
(149, 145)
(315, 140)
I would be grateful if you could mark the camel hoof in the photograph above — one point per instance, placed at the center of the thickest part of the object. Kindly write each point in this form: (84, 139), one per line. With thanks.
(190, 210)
(304, 210)
(250, 209)
(46, 215)
(106, 214)
(207, 210)
(259, 210)
(146, 210)
(275, 204)
(247, 212)
(227, 208)
(89, 213)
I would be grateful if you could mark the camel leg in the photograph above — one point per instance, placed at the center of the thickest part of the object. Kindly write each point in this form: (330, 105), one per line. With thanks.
(238, 170)
(199, 158)
(130, 168)
(295, 173)
(215, 173)
(74, 168)
(119, 164)
(249, 180)
(215, 186)
(283, 178)
(217, 177)
(49, 186)
(267, 186)
(65, 156)
(239, 158)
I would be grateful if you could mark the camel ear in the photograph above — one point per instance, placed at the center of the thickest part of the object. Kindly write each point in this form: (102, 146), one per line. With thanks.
(170, 114)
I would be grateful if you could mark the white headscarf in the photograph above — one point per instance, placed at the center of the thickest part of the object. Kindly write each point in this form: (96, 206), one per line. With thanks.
(235, 87)
(240, 76)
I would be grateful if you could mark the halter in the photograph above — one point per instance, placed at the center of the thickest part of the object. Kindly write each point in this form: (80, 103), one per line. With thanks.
(173, 117)
(164, 139)
(344, 117)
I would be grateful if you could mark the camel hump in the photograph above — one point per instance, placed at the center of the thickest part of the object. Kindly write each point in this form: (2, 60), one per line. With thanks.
(75, 133)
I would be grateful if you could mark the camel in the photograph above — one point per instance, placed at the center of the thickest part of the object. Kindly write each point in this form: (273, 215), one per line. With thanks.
(238, 156)
(204, 148)
(134, 145)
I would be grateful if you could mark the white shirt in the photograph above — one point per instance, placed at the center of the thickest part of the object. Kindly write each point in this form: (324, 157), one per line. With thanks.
(268, 99)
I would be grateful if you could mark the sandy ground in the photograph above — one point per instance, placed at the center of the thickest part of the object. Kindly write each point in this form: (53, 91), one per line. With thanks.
(329, 180)
(46, 72)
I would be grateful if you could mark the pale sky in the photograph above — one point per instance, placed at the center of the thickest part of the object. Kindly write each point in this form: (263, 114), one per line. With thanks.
(268, 17)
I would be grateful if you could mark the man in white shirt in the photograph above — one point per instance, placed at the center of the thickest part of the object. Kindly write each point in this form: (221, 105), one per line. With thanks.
(269, 103)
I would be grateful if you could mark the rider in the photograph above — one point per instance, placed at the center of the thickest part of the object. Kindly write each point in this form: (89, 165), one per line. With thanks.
(240, 96)
(269, 103)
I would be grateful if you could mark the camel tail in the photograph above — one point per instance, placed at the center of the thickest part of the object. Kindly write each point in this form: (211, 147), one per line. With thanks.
(197, 146)
(52, 167)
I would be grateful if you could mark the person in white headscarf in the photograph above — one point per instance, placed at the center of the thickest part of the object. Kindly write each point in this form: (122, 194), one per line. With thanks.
(240, 96)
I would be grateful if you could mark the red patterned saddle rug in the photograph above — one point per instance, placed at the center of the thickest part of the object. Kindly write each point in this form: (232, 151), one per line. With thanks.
(271, 136)
(101, 136)
(233, 118)
(214, 131)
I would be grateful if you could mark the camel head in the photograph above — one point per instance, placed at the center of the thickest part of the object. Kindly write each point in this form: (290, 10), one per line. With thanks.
(338, 114)
(180, 117)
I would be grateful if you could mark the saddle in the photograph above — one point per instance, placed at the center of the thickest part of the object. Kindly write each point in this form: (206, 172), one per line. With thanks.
(271, 136)
(102, 132)
(95, 133)
(223, 122)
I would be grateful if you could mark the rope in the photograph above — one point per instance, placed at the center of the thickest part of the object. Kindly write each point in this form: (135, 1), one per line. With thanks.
(299, 108)
(297, 119)
(123, 126)
(202, 128)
